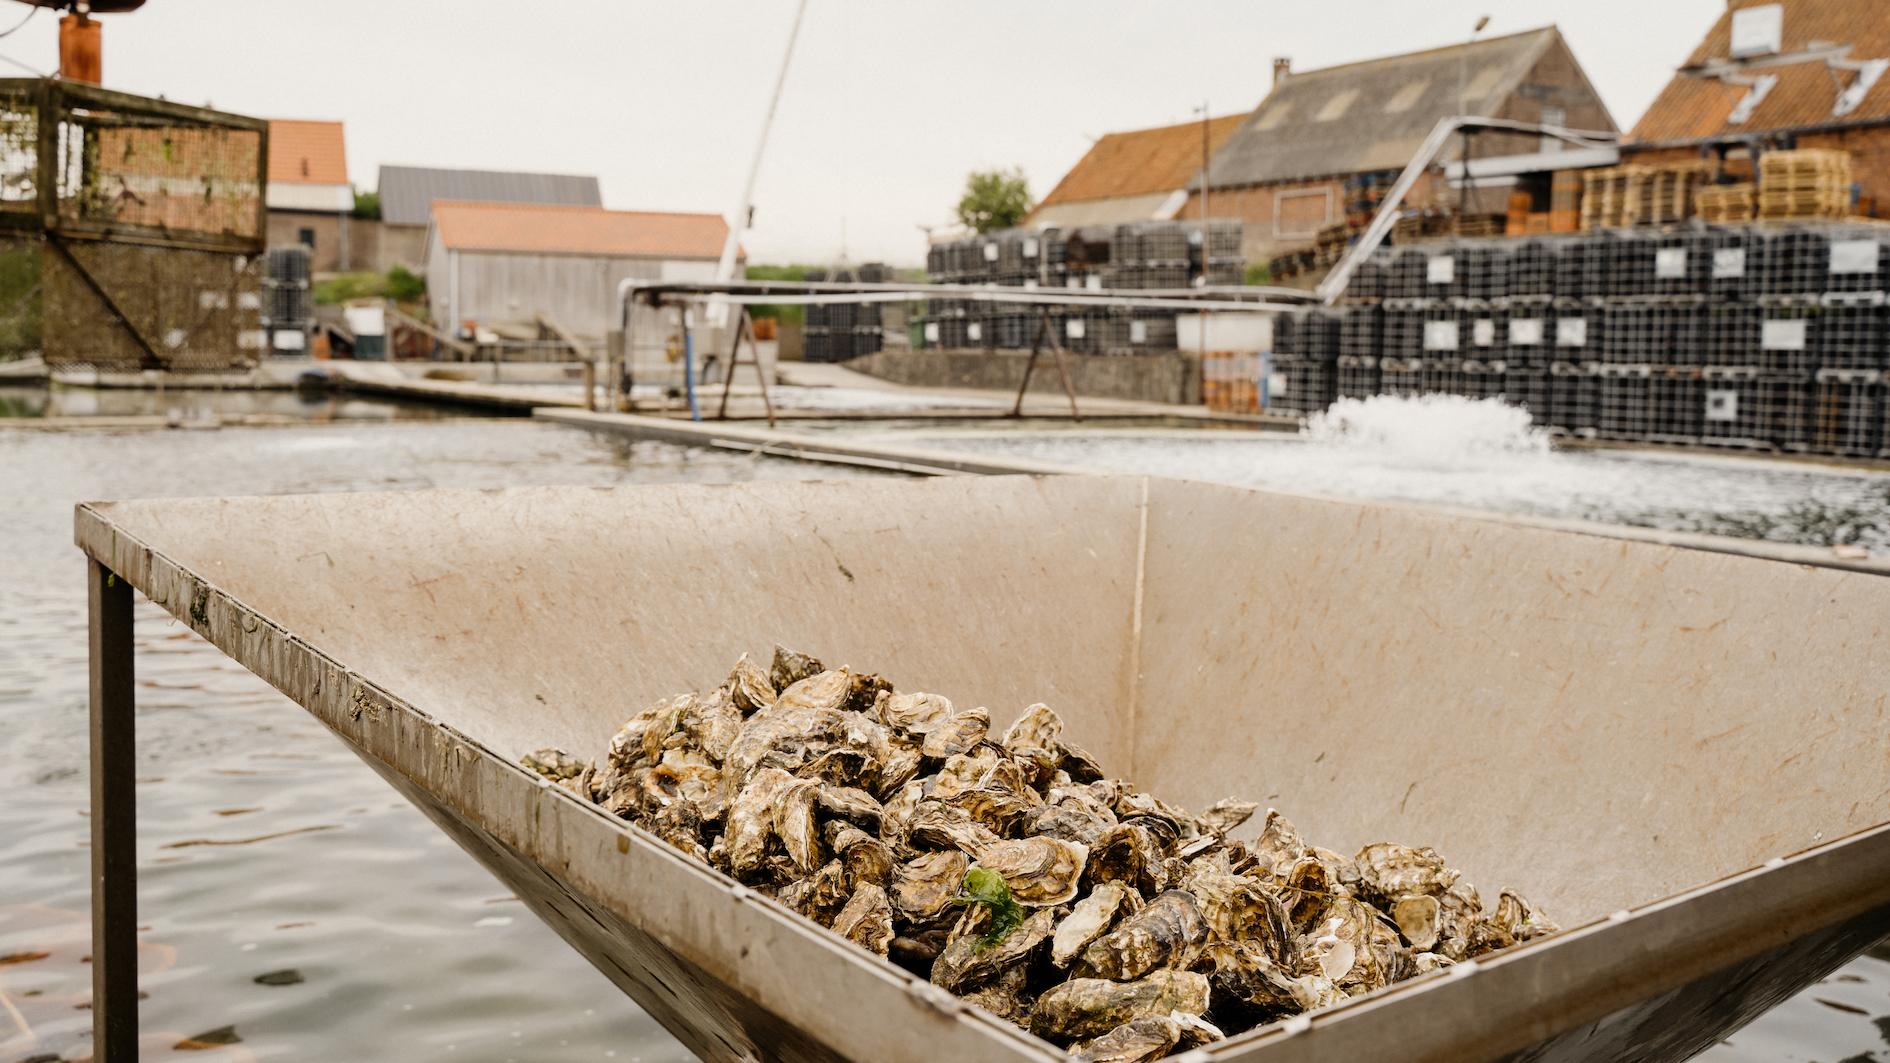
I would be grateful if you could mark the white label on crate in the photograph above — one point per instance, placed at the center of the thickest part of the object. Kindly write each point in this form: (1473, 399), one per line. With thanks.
(1525, 332)
(931, 332)
(1276, 384)
(1440, 335)
(1854, 256)
(1483, 332)
(209, 300)
(1442, 269)
(248, 301)
(1670, 263)
(1138, 332)
(1722, 404)
(974, 331)
(1728, 263)
(1073, 328)
(1571, 332)
(1030, 247)
(289, 339)
(254, 339)
(990, 252)
(1782, 336)
(1072, 282)
(1030, 286)
(1094, 281)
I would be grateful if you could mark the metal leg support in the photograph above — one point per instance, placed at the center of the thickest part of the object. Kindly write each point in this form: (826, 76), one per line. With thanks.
(114, 822)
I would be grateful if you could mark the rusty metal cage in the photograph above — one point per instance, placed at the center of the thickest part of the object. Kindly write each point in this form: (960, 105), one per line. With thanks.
(130, 229)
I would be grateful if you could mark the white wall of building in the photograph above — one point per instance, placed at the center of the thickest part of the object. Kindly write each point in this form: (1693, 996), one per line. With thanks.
(578, 291)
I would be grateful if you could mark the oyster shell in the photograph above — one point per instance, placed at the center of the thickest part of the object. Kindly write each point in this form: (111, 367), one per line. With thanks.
(1006, 995)
(1388, 871)
(854, 805)
(959, 734)
(913, 713)
(1239, 908)
(795, 824)
(1136, 1041)
(555, 764)
(971, 959)
(1090, 919)
(1167, 932)
(788, 668)
(1128, 854)
(749, 687)
(1091, 1007)
(867, 919)
(1039, 871)
(1225, 815)
(1073, 814)
(925, 887)
(751, 820)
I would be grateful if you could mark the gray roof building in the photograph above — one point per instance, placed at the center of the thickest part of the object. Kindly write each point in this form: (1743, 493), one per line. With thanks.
(408, 192)
(1372, 115)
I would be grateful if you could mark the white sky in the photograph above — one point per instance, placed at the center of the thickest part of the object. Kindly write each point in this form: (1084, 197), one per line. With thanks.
(889, 105)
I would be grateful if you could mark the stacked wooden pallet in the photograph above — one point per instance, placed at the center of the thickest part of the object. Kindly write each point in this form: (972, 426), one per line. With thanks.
(1726, 203)
(1615, 197)
(1670, 193)
(1805, 184)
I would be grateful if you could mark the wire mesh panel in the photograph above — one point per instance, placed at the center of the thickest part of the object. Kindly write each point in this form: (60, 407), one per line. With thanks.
(1850, 333)
(1788, 338)
(1676, 395)
(1529, 334)
(147, 222)
(1731, 334)
(1403, 329)
(1784, 410)
(1305, 387)
(1625, 402)
(1357, 376)
(1481, 380)
(1729, 407)
(1441, 376)
(1401, 376)
(1574, 396)
(1733, 260)
(1529, 389)
(1847, 412)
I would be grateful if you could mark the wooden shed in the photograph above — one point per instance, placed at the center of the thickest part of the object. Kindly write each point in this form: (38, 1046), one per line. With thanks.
(497, 263)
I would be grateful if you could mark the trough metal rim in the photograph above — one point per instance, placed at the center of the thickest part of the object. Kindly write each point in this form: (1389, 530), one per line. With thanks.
(1538, 991)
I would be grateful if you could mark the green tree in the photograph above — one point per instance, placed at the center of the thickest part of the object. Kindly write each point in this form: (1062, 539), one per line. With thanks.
(994, 199)
(367, 205)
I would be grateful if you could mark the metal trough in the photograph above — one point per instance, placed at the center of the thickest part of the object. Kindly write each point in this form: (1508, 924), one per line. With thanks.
(1681, 755)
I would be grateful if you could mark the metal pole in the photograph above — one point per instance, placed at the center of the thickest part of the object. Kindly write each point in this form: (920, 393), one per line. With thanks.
(114, 821)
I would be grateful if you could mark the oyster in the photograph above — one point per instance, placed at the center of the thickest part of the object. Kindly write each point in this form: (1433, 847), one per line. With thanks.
(1135, 1041)
(1091, 1007)
(788, 668)
(959, 734)
(1090, 919)
(867, 919)
(749, 688)
(1039, 871)
(926, 886)
(975, 958)
(1167, 932)
(904, 825)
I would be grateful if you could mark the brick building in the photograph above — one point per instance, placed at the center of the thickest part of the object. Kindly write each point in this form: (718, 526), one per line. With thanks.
(1139, 175)
(1285, 171)
(310, 199)
(1780, 75)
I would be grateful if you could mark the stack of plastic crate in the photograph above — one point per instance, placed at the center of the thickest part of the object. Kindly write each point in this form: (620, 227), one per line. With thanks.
(1305, 350)
(1848, 391)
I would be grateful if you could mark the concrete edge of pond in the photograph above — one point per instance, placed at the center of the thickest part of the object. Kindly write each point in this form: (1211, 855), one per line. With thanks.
(927, 462)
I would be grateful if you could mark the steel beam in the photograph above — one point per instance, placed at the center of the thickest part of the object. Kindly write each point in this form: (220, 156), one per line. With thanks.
(114, 821)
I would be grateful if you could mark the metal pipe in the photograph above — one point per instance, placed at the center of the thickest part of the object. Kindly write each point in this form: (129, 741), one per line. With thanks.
(114, 819)
(689, 362)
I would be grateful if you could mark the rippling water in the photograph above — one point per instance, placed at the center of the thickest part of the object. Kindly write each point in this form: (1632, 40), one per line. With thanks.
(293, 906)
(286, 891)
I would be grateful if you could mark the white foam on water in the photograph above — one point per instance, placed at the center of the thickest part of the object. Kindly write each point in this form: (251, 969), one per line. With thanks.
(1437, 431)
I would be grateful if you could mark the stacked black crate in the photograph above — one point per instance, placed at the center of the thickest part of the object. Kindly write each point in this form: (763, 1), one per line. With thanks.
(1734, 258)
(1306, 349)
(1215, 257)
(1361, 342)
(815, 345)
(288, 303)
(1790, 323)
(1848, 385)
(1528, 329)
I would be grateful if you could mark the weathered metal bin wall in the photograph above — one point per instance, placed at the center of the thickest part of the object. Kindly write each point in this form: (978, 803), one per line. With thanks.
(130, 229)
(1680, 754)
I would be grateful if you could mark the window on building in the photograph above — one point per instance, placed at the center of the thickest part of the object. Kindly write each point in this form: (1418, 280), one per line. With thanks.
(306, 237)
(1407, 97)
(1553, 116)
(1302, 213)
(1336, 107)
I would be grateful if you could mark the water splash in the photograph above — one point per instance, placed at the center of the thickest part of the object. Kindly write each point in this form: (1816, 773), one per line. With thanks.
(1429, 431)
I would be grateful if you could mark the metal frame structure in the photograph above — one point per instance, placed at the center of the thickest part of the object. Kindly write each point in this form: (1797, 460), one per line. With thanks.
(736, 975)
(681, 295)
(1334, 285)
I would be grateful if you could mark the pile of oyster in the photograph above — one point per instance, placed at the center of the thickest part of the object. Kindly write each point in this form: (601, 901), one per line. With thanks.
(1010, 870)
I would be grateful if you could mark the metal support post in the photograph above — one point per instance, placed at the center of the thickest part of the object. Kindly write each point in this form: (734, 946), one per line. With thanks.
(1045, 334)
(114, 821)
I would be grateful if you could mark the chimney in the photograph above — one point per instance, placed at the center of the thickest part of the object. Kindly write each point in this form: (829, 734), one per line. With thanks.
(1282, 68)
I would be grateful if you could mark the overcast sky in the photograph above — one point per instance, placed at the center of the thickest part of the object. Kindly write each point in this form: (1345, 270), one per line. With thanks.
(888, 105)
